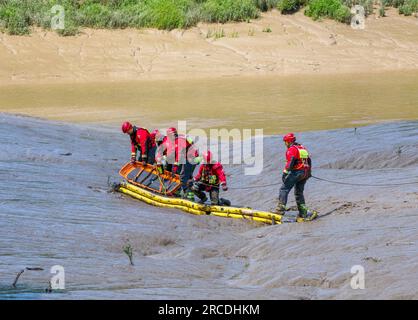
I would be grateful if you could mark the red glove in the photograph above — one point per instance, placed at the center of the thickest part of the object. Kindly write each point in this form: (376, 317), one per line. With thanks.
(175, 169)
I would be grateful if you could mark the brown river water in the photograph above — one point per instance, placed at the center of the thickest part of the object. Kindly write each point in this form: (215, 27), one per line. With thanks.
(276, 104)
(56, 208)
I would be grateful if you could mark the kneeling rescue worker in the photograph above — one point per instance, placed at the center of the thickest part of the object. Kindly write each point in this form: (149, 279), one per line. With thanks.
(295, 174)
(209, 178)
(140, 141)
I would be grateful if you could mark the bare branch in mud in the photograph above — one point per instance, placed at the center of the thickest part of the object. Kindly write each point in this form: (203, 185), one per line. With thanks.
(17, 278)
(21, 272)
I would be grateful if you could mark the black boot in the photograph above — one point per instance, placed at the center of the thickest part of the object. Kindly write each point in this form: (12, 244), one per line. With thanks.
(202, 200)
(306, 213)
(224, 202)
(280, 209)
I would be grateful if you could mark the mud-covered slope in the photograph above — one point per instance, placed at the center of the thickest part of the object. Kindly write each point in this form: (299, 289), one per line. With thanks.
(55, 209)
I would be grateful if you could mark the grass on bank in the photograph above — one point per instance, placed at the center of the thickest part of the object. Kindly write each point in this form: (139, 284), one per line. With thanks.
(19, 16)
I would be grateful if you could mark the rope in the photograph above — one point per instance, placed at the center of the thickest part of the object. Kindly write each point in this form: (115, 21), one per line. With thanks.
(321, 179)
(241, 188)
(326, 180)
(365, 185)
(164, 189)
(253, 187)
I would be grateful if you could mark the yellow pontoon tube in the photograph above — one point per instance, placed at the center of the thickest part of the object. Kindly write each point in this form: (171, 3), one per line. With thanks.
(156, 187)
(198, 209)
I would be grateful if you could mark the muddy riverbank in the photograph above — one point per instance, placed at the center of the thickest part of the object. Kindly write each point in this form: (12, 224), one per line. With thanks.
(295, 45)
(55, 210)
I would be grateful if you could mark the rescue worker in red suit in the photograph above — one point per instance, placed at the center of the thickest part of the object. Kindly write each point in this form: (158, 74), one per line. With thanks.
(178, 154)
(141, 143)
(157, 137)
(295, 174)
(210, 177)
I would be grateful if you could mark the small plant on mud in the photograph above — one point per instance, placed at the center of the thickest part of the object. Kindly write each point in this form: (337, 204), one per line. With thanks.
(251, 32)
(220, 33)
(127, 248)
(234, 34)
(382, 11)
(69, 30)
(267, 29)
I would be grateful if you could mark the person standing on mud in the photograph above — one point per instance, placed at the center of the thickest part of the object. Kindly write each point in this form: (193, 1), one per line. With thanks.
(140, 141)
(295, 174)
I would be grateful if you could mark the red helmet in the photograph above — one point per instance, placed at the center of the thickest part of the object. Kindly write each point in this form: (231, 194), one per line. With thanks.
(171, 131)
(289, 138)
(207, 156)
(126, 126)
(157, 135)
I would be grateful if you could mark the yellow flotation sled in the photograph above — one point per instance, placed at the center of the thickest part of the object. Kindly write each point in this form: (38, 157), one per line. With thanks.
(159, 193)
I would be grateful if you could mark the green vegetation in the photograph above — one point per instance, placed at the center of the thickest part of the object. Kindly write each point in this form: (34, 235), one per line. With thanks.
(333, 9)
(382, 11)
(290, 6)
(228, 10)
(366, 4)
(19, 16)
(408, 7)
(266, 5)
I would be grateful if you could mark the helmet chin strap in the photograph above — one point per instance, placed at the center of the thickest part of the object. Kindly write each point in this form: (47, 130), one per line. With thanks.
(289, 144)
